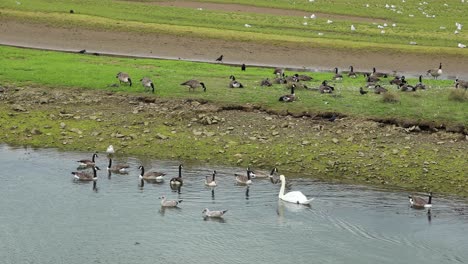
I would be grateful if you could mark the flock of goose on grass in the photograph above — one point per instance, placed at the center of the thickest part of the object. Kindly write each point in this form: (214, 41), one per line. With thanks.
(176, 183)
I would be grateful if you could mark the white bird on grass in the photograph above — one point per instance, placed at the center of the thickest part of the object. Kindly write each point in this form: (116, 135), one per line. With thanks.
(353, 28)
(461, 46)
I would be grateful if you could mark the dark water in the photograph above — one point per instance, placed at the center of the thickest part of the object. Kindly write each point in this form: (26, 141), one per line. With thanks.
(46, 217)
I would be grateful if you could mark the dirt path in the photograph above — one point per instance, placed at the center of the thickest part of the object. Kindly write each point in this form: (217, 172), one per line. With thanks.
(200, 49)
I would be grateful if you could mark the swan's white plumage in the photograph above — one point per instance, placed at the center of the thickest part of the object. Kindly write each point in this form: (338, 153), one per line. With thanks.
(296, 197)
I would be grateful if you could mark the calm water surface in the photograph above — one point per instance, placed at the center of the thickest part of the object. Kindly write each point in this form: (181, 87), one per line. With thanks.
(46, 217)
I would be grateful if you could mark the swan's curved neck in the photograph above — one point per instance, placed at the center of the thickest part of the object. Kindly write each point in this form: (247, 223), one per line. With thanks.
(281, 192)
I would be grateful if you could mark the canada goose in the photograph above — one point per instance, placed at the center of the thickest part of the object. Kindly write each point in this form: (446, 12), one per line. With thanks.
(86, 163)
(351, 72)
(280, 80)
(378, 74)
(303, 77)
(119, 168)
(460, 83)
(85, 176)
(261, 174)
(337, 76)
(243, 67)
(192, 84)
(404, 87)
(325, 88)
(398, 80)
(210, 180)
(266, 82)
(82, 51)
(362, 92)
(420, 203)
(213, 214)
(151, 175)
(274, 178)
(293, 79)
(420, 84)
(234, 83)
(379, 89)
(169, 203)
(244, 179)
(177, 180)
(289, 97)
(372, 78)
(220, 58)
(435, 72)
(147, 84)
(124, 78)
(278, 71)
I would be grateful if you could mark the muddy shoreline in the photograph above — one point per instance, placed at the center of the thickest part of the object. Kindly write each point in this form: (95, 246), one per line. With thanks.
(36, 35)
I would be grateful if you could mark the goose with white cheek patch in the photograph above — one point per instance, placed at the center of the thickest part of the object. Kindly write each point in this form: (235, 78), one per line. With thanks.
(117, 168)
(86, 163)
(419, 202)
(85, 176)
(244, 179)
(210, 180)
(177, 181)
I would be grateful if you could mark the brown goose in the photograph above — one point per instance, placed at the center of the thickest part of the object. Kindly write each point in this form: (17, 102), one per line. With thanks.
(460, 83)
(338, 76)
(177, 180)
(210, 180)
(420, 84)
(278, 71)
(435, 72)
(85, 176)
(351, 72)
(147, 83)
(192, 84)
(234, 83)
(378, 74)
(420, 203)
(86, 163)
(266, 82)
(303, 77)
(289, 97)
(150, 176)
(124, 78)
(118, 168)
(244, 179)
(379, 89)
(325, 88)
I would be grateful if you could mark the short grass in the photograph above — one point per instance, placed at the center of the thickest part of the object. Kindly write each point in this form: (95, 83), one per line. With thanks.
(25, 67)
(433, 35)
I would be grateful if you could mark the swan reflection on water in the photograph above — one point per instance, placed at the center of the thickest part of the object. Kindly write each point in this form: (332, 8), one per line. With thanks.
(292, 207)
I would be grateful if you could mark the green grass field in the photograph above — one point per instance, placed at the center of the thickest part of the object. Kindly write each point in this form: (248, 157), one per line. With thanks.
(433, 35)
(25, 67)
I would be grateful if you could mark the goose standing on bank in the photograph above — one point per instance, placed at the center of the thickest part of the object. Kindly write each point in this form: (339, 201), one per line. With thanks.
(296, 197)
(86, 163)
(147, 84)
(351, 72)
(338, 76)
(192, 84)
(420, 203)
(244, 179)
(289, 97)
(378, 74)
(124, 78)
(151, 175)
(213, 214)
(210, 180)
(85, 176)
(177, 181)
(118, 168)
(435, 72)
(169, 203)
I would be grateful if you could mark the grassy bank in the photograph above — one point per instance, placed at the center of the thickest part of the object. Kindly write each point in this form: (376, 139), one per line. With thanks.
(434, 35)
(68, 101)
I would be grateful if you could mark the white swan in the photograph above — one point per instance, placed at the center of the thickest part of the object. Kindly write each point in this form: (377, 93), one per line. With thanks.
(292, 197)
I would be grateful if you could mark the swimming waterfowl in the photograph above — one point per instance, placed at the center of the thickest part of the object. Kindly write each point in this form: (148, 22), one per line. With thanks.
(151, 175)
(244, 179)
(213, 214)
(147, 84)
(296, 197)
(85, 176)
(435, 72)
(118, 168)
(86, 163)
(338, 76)
(124, 78)
(210, 180)
(169, 203)
(420, 203)
(177, 180)
(234, 83)
(192, 84)
(289, 97)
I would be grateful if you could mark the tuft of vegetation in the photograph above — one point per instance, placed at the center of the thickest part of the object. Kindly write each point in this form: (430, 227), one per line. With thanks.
(390, 97)
(458, 95)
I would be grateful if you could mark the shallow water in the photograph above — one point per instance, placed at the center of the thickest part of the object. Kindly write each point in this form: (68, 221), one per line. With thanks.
(48, 218)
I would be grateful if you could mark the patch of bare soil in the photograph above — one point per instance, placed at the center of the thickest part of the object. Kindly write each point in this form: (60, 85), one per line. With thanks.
(260, 10)
(42, 36)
